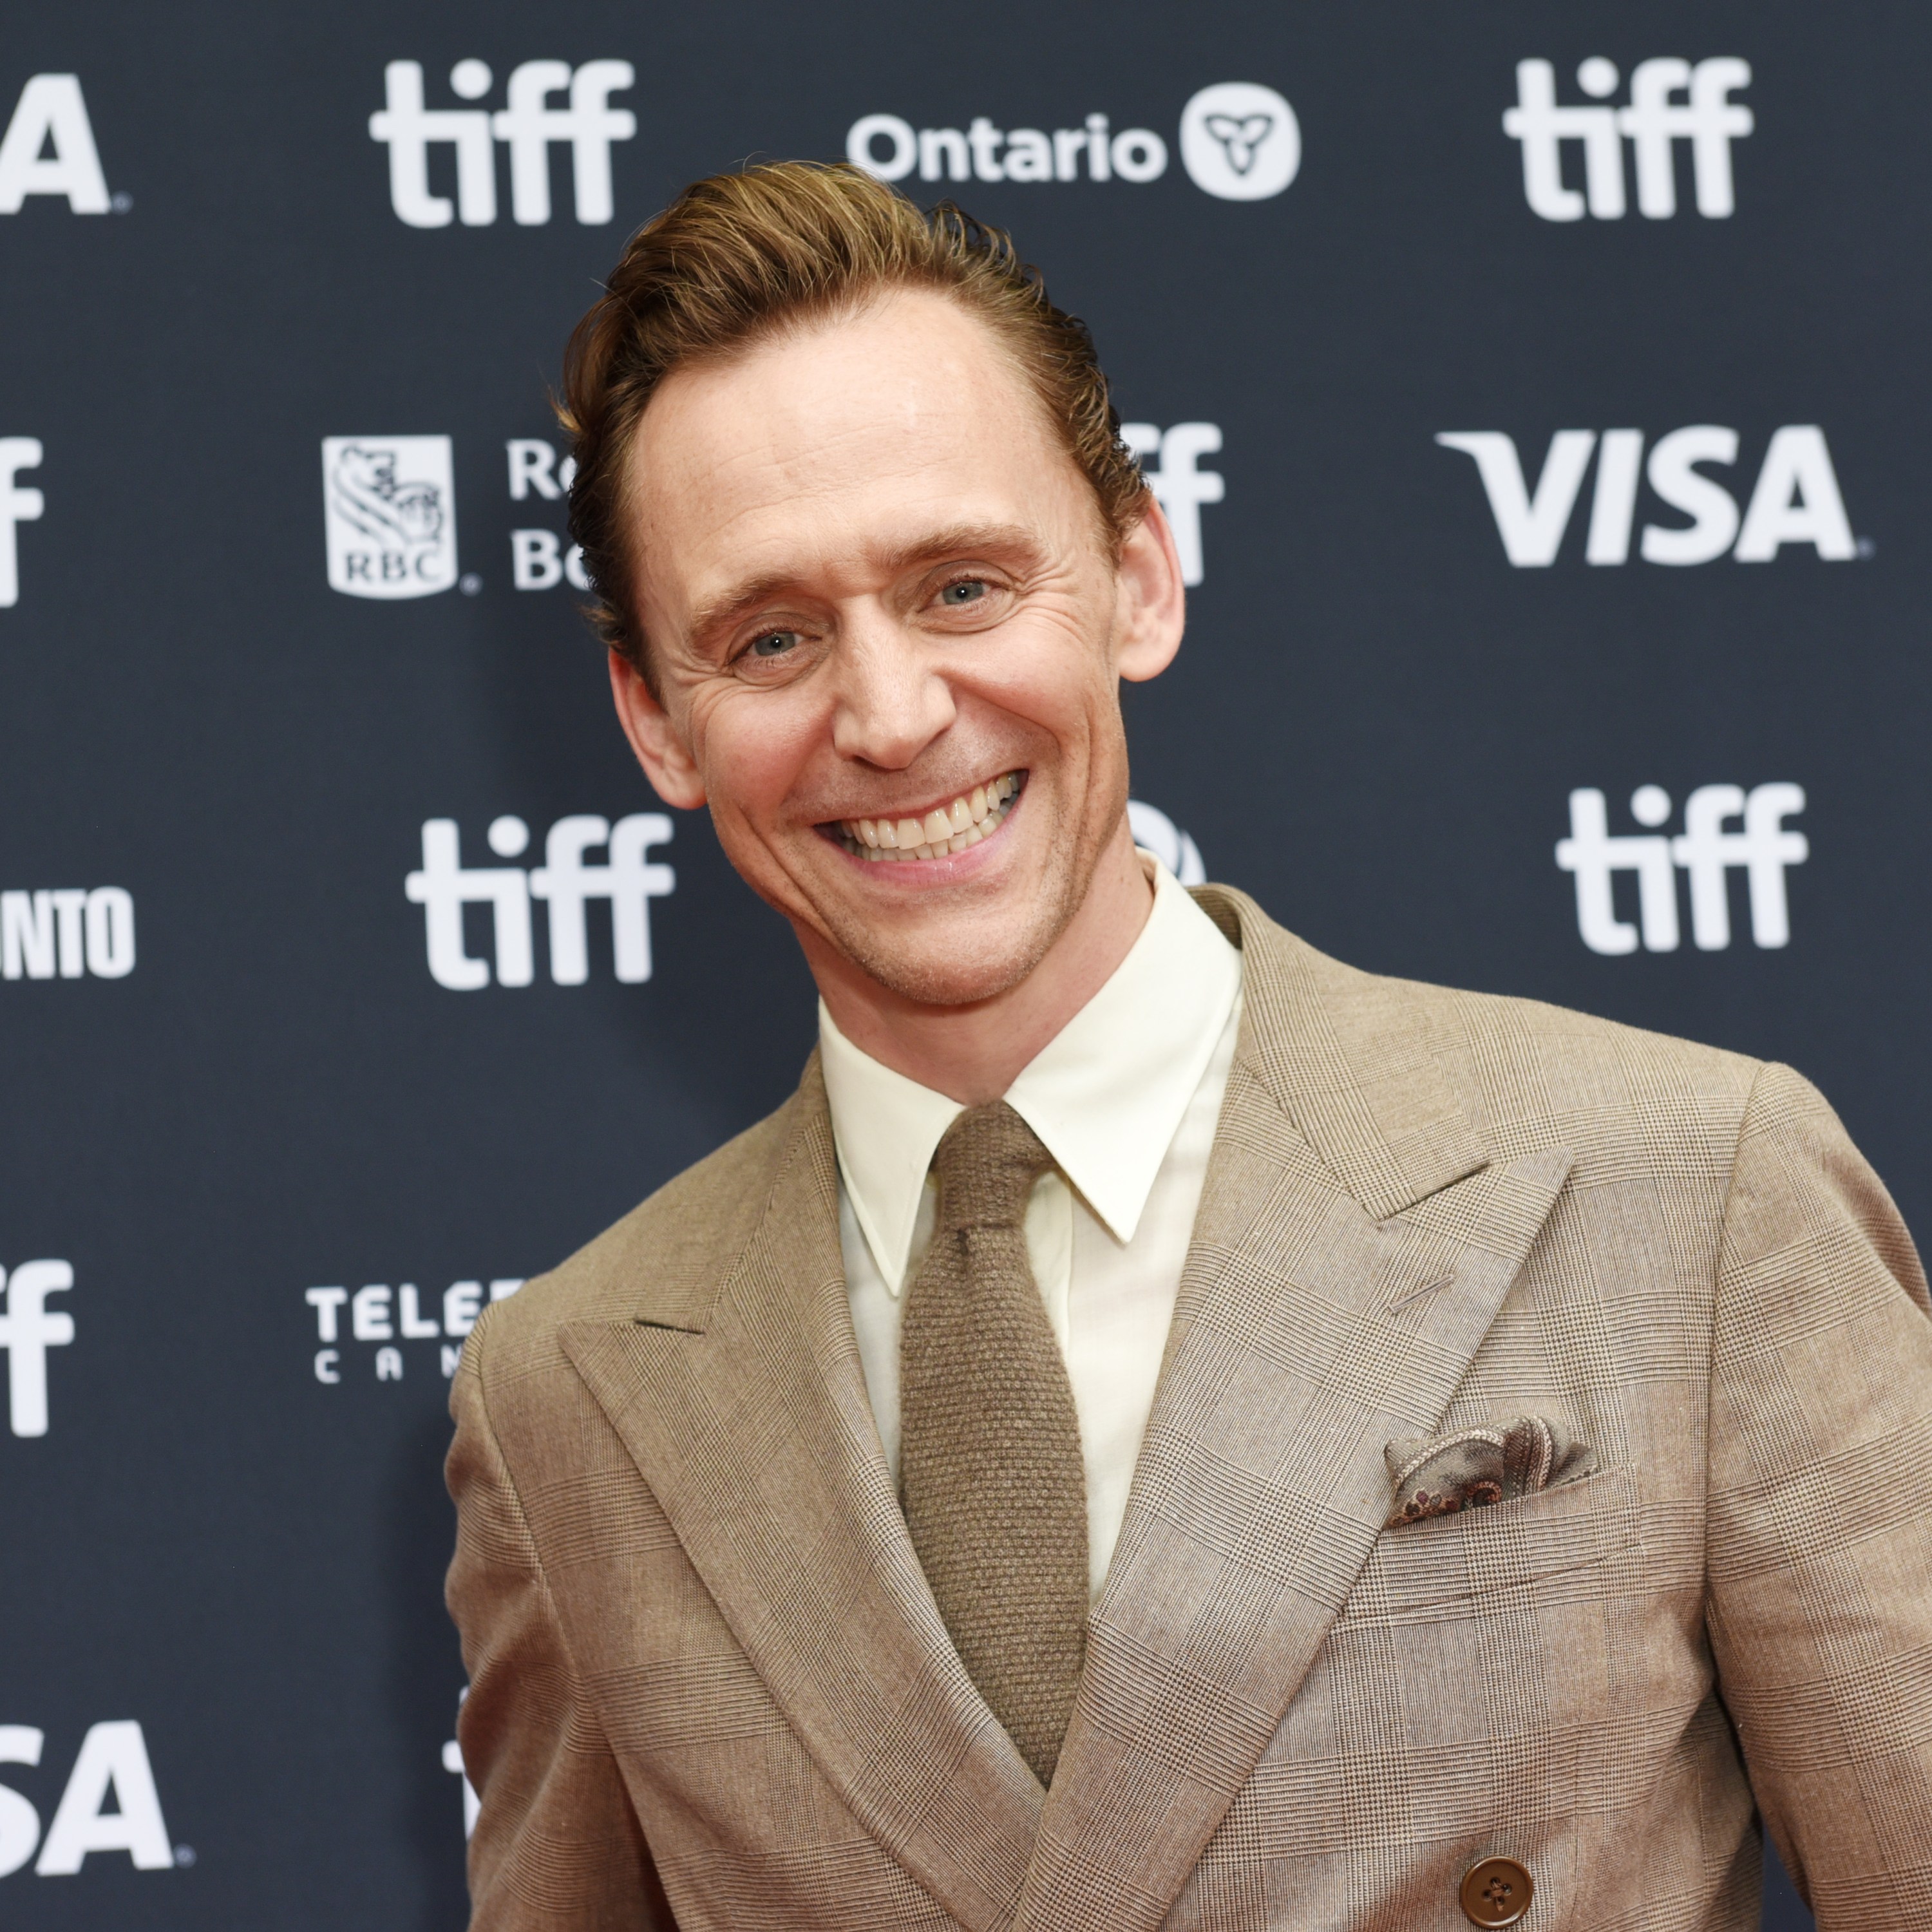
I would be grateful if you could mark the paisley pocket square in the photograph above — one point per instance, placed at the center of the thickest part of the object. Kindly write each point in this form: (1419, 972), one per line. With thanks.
(1490, 1462)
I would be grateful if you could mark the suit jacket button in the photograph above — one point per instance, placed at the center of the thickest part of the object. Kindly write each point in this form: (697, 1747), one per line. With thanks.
(1496, 1892)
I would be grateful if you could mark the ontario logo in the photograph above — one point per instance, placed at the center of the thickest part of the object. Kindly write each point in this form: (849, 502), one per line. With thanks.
(389, 510)
(1239, 141)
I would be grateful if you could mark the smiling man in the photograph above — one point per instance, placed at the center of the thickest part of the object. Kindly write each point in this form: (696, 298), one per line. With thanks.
(1162, 1428)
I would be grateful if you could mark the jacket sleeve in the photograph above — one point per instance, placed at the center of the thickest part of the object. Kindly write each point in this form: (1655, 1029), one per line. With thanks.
(1819, 1555)
(557, 1843)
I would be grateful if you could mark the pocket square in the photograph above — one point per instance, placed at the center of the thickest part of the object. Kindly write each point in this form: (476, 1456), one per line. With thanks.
(1490, 1462)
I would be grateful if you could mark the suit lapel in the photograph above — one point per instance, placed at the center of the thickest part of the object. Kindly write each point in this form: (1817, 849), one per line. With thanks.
(1323, 1312)
(752, 1424)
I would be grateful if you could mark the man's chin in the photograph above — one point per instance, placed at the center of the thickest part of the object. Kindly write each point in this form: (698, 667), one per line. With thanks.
(944, 976)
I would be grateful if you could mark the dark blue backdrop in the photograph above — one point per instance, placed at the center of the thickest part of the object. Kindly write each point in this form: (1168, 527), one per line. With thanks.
(262, 362)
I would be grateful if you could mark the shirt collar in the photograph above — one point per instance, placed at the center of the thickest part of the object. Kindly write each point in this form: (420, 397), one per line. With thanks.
(1106, 1094)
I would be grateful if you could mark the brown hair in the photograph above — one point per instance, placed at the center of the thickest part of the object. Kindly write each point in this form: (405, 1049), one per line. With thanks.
(739, 257)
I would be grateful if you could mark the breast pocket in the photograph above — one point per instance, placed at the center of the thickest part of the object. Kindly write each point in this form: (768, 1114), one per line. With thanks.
(1574, 1528)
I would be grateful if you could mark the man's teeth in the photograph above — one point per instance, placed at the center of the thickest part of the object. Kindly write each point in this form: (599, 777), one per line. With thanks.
(973, 816)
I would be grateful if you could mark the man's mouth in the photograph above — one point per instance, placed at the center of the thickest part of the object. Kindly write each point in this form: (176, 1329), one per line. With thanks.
(971, 817)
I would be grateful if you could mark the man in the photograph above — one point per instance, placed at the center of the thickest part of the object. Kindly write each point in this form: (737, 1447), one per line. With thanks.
(1162, 1428)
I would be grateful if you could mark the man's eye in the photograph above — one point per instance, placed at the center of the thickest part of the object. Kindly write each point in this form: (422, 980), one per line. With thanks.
(774, 643)
(968, 590)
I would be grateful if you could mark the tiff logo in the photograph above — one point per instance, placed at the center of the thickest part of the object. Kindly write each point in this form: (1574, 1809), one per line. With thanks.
(74, 931)
(529, 125)
(1708, 119)
(444, 886)
(19, 504)
(1796, 499)
(1705, 850)
(27, 1329)
(1181, 486)
(48, 149)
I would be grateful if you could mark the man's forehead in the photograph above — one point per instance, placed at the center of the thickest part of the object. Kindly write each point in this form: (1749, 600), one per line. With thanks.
(908, 381)
(901, 432)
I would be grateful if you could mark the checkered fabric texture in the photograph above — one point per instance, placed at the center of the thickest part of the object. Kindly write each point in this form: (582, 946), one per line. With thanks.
(990, 1468)
(708, 1680)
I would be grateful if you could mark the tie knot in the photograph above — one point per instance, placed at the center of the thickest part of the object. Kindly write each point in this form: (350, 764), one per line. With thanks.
(986, 1166)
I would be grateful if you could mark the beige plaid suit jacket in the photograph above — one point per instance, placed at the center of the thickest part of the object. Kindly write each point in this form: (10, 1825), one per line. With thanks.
(710, 1688)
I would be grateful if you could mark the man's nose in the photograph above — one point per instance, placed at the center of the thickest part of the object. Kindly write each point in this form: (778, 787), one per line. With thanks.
(891, 701)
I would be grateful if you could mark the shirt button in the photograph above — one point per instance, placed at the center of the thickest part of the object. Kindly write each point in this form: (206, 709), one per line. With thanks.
(1496, 1892)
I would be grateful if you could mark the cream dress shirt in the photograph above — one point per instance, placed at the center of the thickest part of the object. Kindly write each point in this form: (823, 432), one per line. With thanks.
(1126, 1098)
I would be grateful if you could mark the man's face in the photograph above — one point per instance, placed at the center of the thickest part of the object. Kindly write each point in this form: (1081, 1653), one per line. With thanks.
(886, 623)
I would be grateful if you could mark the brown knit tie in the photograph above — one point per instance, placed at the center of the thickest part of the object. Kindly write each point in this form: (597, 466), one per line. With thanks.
(990, 1471)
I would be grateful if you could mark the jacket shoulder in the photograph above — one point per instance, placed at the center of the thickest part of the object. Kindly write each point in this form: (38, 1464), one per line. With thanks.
(1530, 1071)
(665, 1259)
(1527, 1073)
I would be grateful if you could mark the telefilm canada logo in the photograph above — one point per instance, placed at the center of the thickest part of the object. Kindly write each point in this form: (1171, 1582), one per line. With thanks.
(1239, 141)
(1708, 850)
(109, 1804)
(376, 1317)
(1795, 500)
(389, 513)
(1706, 121)
(531, 122)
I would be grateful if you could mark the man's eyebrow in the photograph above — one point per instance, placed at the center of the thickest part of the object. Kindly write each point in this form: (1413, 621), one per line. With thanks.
(960, 540)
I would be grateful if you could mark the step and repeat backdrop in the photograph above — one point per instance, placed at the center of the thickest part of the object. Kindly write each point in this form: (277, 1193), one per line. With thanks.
(1538, 397)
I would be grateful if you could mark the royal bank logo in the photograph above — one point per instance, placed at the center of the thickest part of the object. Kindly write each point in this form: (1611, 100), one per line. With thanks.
(389, 510)
(1726, 830)
(1239, 141)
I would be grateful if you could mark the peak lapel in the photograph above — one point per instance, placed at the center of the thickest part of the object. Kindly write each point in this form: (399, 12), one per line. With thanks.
(755, 1433)
(1312, 1328)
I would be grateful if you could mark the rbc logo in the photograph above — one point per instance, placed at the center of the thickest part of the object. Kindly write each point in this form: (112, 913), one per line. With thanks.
(1707, 852)
(527, 126)
(1709, 120)
(389, 509)
(444, 886)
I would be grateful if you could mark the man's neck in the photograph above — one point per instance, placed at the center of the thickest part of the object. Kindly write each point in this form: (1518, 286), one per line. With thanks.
(973, 1053)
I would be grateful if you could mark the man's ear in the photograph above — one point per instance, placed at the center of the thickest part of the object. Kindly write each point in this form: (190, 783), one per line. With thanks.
(1153, 606)
(666, 758)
